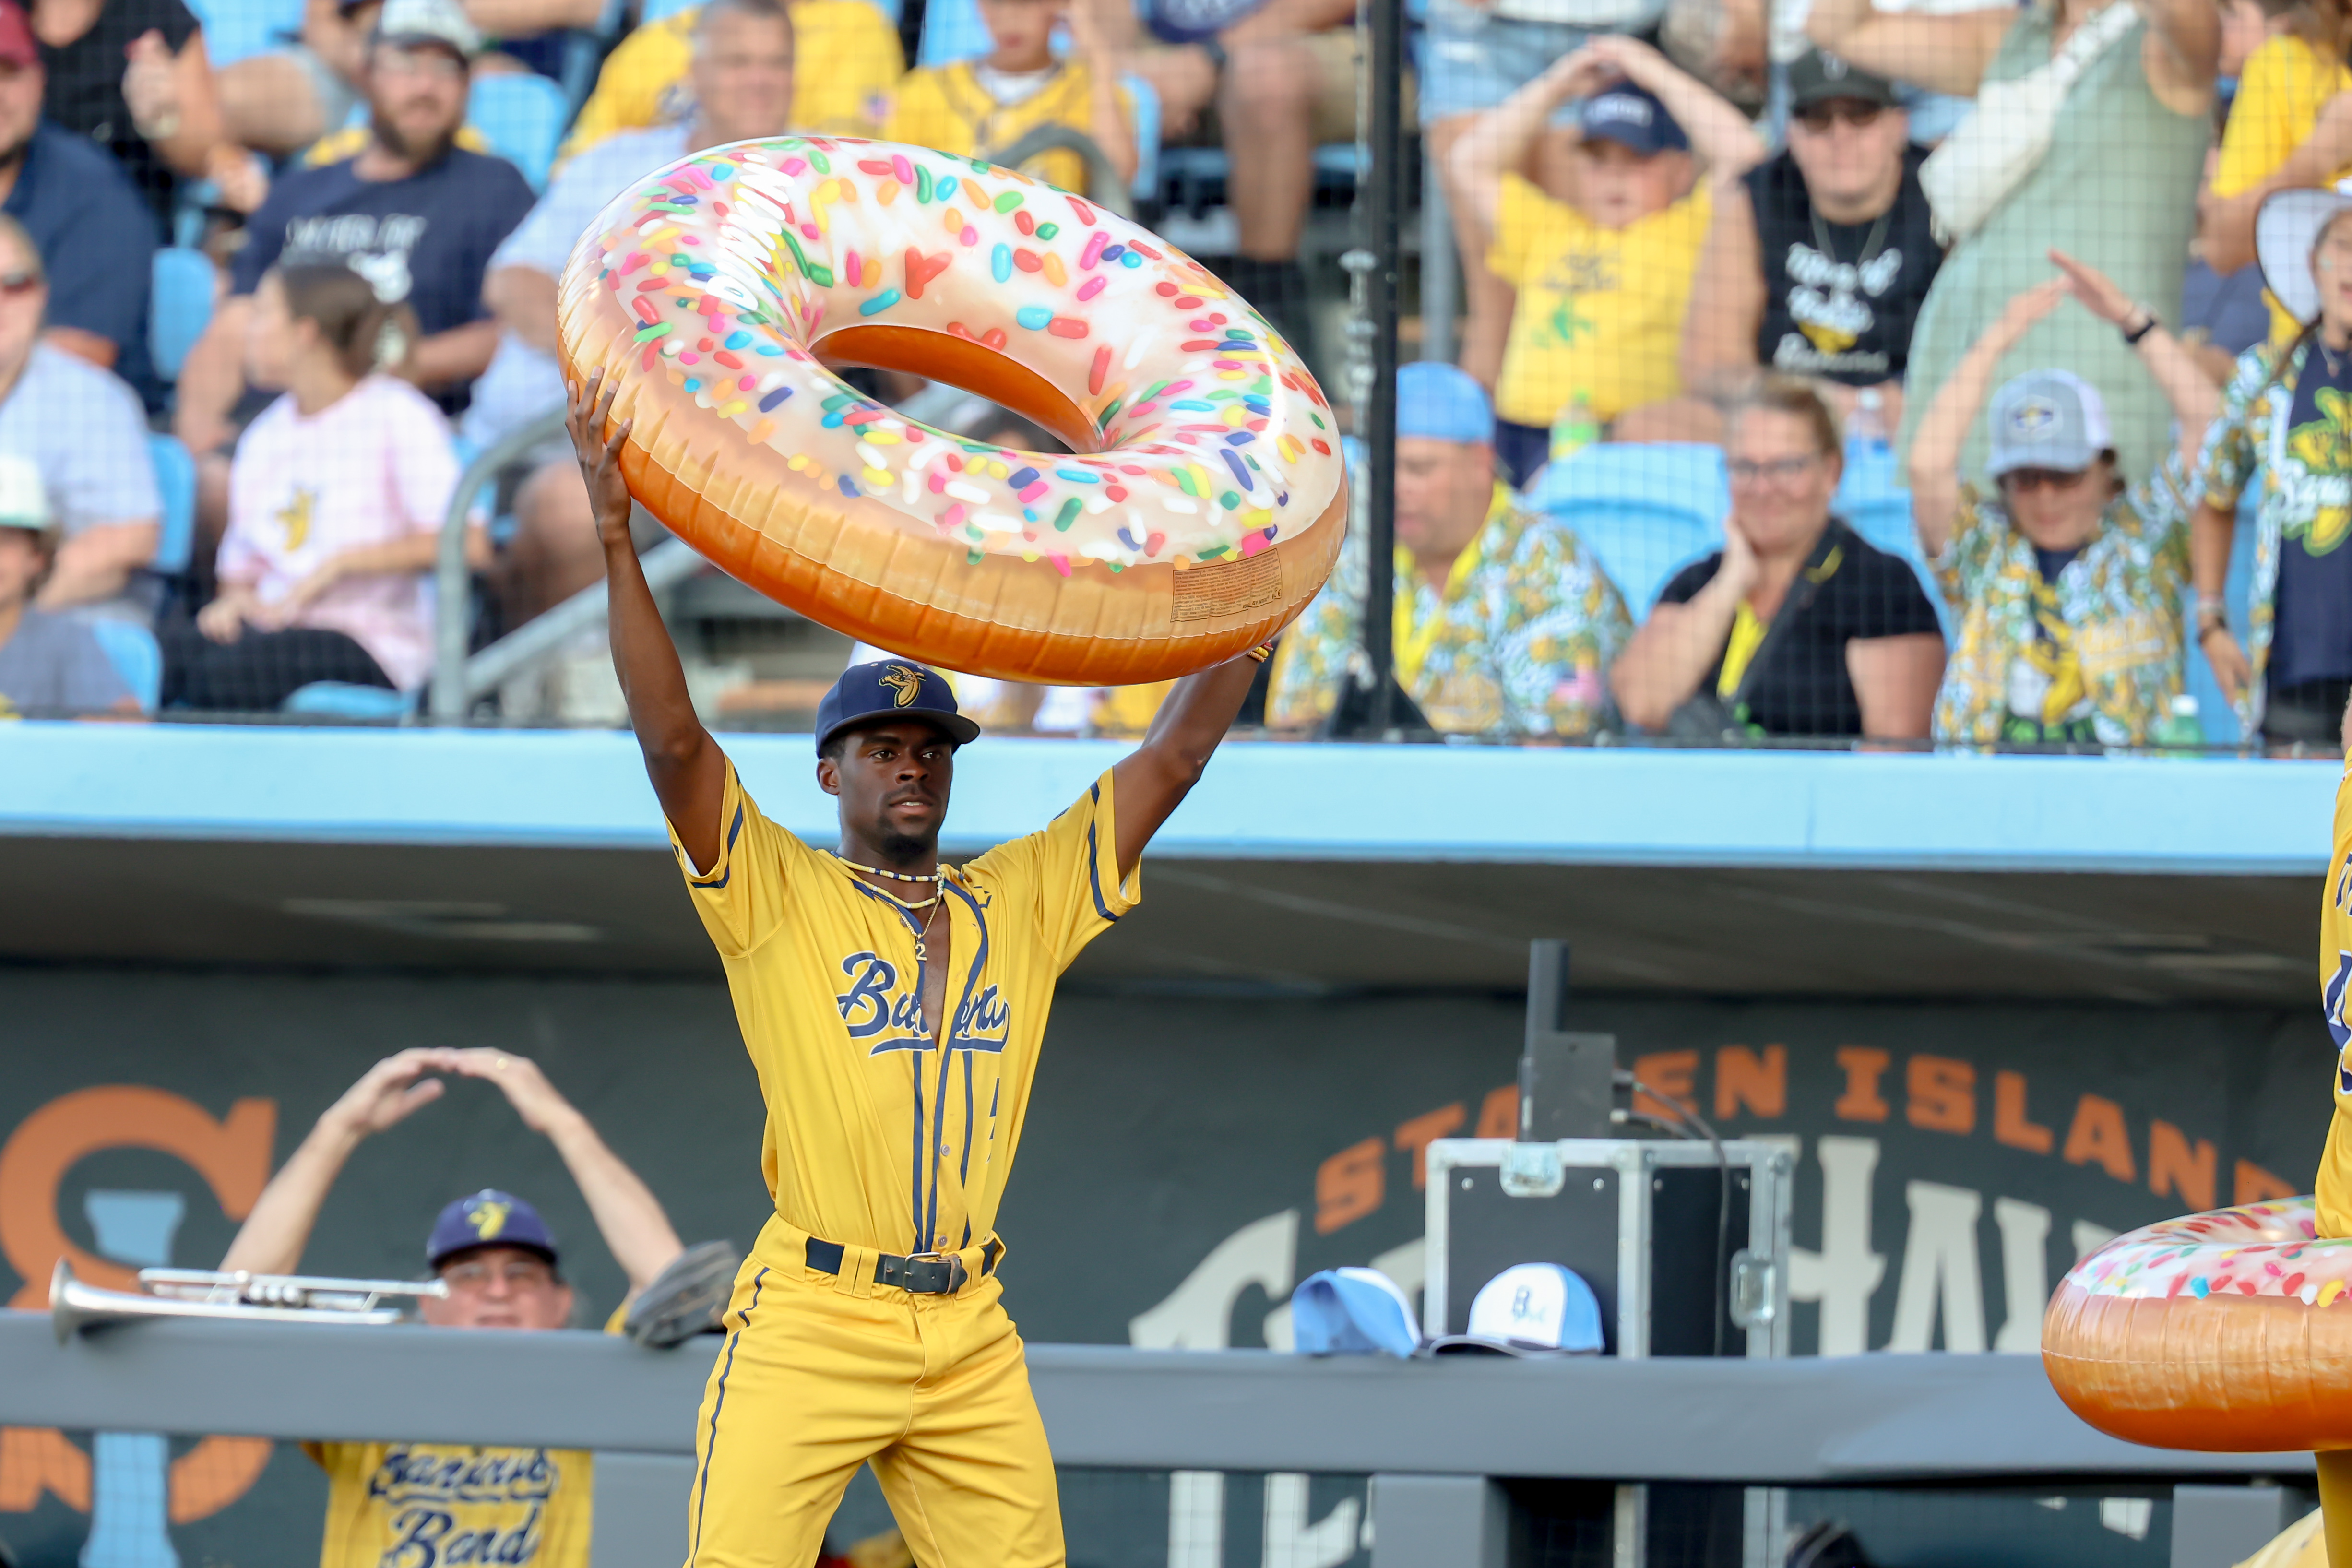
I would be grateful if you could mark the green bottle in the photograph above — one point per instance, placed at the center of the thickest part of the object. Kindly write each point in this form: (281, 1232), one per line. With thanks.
(1576, 428)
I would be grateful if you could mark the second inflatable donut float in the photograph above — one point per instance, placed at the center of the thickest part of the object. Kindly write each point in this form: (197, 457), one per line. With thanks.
(1205, 501)
(2227, 1332)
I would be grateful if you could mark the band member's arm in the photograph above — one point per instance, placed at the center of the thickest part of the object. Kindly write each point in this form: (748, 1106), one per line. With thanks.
(1152, 781)
(274, 1234)
(688, 769)
(629, 1218)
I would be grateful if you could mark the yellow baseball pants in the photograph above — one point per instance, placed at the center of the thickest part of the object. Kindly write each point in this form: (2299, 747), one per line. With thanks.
(820, 1374)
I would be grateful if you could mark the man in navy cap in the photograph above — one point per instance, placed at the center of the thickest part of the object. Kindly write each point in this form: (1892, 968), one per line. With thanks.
(894, 1004)
(1603, 277)
(422, 1502)
(1505, 625)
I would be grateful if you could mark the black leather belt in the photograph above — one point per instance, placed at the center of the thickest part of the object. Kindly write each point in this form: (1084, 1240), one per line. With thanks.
(932, 1274)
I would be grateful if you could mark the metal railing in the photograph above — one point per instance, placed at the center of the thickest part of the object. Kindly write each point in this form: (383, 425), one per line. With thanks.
(1433, 1435)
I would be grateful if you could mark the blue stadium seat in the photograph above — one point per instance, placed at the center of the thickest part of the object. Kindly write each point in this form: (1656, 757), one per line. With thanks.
(1876, 504)
(345, 700)
(1146, 99)
(238, 29)
(181, 306)
(952, 31)
(175, 481)
(131, 649)
(2214, 710)
(522, 118)
(1646, 511)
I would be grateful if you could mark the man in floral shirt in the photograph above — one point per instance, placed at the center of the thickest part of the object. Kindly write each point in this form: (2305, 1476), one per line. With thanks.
(1504, 625)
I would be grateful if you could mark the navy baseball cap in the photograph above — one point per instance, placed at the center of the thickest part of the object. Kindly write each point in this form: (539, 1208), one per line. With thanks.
(891, 688)
(489, 1218)
(1632, 116)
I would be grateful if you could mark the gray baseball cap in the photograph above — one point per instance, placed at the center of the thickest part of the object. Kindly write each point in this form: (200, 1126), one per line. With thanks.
(429, 22)
(2048, 420)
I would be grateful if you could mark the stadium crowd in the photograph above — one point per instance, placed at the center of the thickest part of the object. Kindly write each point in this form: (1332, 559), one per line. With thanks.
(1829, 369)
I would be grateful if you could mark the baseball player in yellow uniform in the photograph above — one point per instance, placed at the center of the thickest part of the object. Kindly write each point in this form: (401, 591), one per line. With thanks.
(892, 1007)
(2334, 1187)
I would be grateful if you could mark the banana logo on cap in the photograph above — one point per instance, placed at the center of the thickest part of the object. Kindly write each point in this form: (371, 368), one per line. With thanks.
(905, 684)
(487, 1219)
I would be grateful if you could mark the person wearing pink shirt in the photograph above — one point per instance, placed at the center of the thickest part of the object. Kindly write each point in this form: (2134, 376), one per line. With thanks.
(336, 499)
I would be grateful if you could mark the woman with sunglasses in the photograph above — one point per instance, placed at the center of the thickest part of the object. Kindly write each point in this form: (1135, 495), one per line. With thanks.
(1798, 626)
(2287, 413)
(2068, 588)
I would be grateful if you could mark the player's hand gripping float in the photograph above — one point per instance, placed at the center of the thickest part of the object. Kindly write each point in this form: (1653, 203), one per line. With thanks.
(1204, 506)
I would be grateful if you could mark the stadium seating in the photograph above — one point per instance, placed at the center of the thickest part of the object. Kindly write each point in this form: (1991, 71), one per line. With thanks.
(181, 306)
(238, 29)
(1645, 511)
(133, 650)
(522, 118)
(345, 700)
(175, 482)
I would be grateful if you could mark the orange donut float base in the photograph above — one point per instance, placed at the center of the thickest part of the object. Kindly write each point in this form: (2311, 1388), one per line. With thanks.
(2221, 1332)
(857, 566)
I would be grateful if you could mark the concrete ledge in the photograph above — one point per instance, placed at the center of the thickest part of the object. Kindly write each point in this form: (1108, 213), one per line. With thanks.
(1847, 1420)
(1483, 803)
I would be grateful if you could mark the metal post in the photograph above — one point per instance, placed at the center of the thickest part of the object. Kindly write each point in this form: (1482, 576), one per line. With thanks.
(1437, 268)
(1383, 213)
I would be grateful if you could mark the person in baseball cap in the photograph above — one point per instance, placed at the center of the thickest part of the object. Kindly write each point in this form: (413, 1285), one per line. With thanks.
(1601, 278)
(1466, 545)
(496, 1260)
(890, 691)
(2067, 587)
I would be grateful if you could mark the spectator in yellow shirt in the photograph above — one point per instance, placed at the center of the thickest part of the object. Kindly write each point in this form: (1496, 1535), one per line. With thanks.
(1603, 280)
(849, 60)
(2290, 126)
(421, 1503)
(982, 108)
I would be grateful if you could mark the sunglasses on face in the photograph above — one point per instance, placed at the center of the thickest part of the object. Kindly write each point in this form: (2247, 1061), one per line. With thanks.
(2040, 479)
(1821, 118)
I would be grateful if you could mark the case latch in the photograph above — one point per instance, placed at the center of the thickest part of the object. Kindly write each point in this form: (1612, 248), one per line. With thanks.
(1532, 1170)
(1754, 1298)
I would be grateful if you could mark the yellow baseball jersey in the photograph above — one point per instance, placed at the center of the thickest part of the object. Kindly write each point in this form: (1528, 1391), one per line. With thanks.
(1600, 309)
(846, 60)
(436, 1505)
(2334, 1190)
(877, 1136)
(946, 110)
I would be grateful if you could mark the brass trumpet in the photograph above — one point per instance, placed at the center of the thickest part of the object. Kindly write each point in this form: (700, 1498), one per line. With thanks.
(79, 1308)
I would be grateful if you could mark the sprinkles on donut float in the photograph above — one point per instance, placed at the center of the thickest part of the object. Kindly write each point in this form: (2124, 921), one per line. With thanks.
(1207, 497)
(2229, 1331)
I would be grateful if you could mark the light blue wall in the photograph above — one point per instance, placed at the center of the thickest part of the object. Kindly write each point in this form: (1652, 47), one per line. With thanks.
(1276, 801)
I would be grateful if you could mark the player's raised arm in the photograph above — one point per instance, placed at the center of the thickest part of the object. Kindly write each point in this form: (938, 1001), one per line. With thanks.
(1152, 780)
(687, 770)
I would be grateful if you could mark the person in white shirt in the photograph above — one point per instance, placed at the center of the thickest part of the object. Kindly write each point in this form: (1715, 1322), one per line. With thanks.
(336, 501)
(86, 432)
(742, 78)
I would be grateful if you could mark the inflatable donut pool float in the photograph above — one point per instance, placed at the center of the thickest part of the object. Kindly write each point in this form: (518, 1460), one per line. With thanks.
(1207, 498)
(2227, 1332)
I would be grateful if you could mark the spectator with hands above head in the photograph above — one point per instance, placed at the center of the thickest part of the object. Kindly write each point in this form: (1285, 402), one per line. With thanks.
(2069, 588)
(2118, 95)
(628, 1217)
(499, 1264)
(1604, 279)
